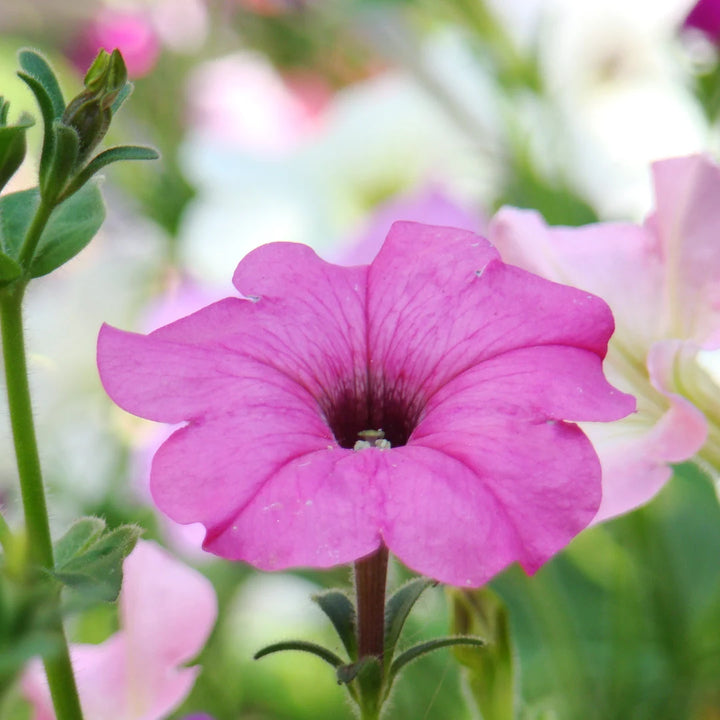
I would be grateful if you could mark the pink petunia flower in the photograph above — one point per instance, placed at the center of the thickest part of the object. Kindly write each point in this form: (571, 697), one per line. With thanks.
(471, 368)
(661, 282)
(705, 16)
(166, 613)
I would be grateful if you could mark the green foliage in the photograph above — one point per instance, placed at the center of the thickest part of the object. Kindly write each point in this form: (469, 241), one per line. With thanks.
(89, 560)
(70, 228)
(489, 674)
(341, 611)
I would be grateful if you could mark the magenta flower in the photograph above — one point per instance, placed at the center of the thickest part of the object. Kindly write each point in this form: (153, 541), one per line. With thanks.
(705, 16)
(661, 282)
(166, 613)
(470, 367)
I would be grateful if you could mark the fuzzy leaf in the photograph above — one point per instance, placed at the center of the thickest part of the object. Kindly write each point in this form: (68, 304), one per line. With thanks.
(71, 226)
(421, 649)
(313, 648)
(95, 570)
(339, 608)
(36, 66)
(80, 534)
(398, 608)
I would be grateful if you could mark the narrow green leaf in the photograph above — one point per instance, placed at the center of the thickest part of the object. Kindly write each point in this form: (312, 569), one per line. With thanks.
(313, 648)
(339, 608)
(111, 155)
(398, 608)
(421, 649)
(37, 66)
(47, 111)
(80, 534)
(66, 146)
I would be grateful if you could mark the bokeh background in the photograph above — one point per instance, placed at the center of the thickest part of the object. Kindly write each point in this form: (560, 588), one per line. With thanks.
(320, 121)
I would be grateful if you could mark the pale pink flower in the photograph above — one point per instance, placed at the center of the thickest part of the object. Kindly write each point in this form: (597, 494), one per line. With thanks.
(661, 282)
(241, 100)
(471, 367)
(166, 613)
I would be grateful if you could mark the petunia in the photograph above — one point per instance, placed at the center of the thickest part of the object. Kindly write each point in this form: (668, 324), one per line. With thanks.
(166, 613)
(705, 16)
(661, 282)
(474, 371)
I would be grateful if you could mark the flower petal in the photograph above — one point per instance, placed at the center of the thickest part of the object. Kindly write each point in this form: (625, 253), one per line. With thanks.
(320, 510)
(686, 222)
(439, 301)
(621, 263)
(166, 613)
(461, 506)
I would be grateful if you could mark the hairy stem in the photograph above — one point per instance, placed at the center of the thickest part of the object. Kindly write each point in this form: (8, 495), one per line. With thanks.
(370, 578)
(58, 667)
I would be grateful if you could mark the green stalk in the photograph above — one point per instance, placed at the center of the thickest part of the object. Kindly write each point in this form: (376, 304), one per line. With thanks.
(5, 535)
(58, 668)
(32, 238)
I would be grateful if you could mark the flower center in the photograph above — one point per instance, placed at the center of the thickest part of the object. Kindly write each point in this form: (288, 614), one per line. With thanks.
(378, 418)
(372, 438)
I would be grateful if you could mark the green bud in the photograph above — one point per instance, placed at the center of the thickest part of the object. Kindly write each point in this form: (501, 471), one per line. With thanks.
(90, 113)
(12, 142)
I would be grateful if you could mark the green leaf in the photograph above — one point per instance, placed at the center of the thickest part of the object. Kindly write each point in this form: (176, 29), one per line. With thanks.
(339, 608)
(111, 155)
(36, 66)
(95, 570)
(13, 146)
(398, 608)
(313, 648)
(39, 77)
(71, 226)
(80, 534)
(65, 146)
(421, 649)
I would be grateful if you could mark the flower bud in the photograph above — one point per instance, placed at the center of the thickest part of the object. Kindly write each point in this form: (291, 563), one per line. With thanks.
(89, 113)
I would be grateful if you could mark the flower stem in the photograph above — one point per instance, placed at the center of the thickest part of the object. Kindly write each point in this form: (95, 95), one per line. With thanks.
(370, 578)
(32, 237)
(58, 667)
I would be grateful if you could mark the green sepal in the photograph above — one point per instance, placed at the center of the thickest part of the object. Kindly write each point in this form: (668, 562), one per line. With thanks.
(111, 155)
(303, 646)
(90, 560)
(13, 144)
(398, 607)
(423, 648)
(71, 227)
(65, 149)
(341, 611)
(368, 685)
(122, 96)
